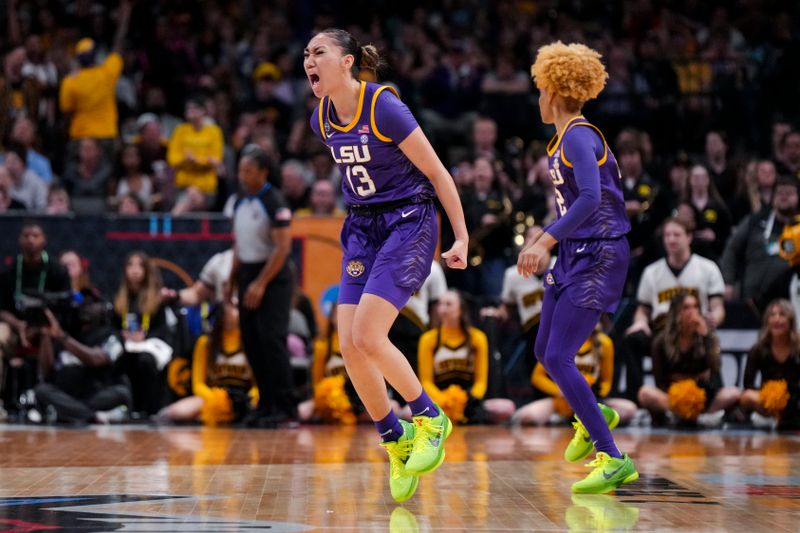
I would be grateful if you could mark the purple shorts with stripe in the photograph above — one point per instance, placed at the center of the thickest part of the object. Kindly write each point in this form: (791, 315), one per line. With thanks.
(591, 272)
(388, 254)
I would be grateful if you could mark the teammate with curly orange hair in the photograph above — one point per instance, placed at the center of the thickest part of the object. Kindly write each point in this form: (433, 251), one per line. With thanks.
(593, 254)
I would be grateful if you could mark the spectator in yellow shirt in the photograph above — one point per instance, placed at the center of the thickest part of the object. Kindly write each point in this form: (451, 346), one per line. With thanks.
(89, 94)
(195, 152)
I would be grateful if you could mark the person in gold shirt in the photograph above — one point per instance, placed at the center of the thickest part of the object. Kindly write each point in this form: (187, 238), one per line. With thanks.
(453, 360)
(595, 360)
(195, 152)
(218, 362)
(90, 94)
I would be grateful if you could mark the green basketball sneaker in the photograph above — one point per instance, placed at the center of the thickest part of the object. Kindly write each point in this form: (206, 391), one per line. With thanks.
(581, 444)
(402, 484)
(427, 452)
(608, 474)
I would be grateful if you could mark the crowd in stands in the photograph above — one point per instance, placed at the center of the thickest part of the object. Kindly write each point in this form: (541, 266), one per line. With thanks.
(135, 107)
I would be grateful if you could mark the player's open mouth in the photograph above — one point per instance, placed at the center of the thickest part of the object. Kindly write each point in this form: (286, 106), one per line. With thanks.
(314, 80)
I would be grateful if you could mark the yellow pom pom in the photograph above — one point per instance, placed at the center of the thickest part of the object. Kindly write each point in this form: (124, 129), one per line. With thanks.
(331, 401)
(453, 401)
(774, 395)
(686, 399)
(217, 408)
(562, 407)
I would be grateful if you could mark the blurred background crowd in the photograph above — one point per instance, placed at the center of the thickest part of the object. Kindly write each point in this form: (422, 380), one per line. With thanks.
(130, 107)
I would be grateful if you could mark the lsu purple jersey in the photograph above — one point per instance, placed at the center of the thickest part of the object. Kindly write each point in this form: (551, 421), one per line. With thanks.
(374, 169)
(610, 220)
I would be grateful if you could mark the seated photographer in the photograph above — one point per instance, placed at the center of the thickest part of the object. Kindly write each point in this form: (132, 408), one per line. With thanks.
(79, 385)
(148, 330)
(30, 283)
(222, 383)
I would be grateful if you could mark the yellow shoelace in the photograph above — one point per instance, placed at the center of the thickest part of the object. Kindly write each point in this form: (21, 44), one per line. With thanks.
(425, 431)
(580, 431)
(600, 461)
(398, 453)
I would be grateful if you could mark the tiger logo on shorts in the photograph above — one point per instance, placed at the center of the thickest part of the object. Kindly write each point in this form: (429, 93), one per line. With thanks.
(354, 268)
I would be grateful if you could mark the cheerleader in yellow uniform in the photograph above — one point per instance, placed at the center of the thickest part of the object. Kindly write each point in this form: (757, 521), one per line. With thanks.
(222, 383)
(595, 360)
(453, 363)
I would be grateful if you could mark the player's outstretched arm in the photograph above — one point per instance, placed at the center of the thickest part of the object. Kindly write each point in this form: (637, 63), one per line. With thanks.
(419, 151)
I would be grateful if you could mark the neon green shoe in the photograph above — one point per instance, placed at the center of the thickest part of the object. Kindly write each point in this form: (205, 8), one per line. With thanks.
(608, 474)
(402, 484)
(427, 452)
(581, 444)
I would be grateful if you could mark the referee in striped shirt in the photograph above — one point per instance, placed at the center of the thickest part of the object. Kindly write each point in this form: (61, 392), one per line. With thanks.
(261, 272)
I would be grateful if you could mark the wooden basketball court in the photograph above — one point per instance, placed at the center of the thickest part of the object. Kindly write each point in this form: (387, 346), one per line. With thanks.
(335, 479)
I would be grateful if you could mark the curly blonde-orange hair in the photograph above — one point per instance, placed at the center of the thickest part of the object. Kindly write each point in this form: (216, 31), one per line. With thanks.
(569, 70)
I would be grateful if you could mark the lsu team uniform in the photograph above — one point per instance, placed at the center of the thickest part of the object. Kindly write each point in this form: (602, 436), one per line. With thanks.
(390, 234)
(592, 261)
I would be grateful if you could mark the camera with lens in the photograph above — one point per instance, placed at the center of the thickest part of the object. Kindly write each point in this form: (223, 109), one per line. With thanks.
(31, 307)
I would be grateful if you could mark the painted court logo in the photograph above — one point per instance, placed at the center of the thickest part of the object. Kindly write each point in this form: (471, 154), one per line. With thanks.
(354, 268)
(128, 512)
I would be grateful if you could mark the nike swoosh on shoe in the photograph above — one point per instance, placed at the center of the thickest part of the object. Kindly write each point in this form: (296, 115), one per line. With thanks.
(612, 474)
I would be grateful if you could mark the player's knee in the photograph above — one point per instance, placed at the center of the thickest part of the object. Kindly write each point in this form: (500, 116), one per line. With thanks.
(347, 346)
(553, 361)
(368, 344)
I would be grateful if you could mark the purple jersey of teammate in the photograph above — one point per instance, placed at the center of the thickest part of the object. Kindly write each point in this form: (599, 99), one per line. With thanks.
(374, 169)
(610, 220)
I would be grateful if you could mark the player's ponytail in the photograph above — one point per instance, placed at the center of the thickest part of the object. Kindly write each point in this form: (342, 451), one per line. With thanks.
(370, 59)
(366, 58)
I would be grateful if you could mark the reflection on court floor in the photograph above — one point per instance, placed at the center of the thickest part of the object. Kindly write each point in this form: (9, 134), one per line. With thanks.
(335, 478)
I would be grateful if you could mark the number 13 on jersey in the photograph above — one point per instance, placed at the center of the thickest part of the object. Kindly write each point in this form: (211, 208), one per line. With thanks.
(357, 175)
(363, 184)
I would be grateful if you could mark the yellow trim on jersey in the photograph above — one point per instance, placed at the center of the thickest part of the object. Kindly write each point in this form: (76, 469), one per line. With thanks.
(378, 134)
(356, 117)
(322, 122)
(605, 145)
(551, 146)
